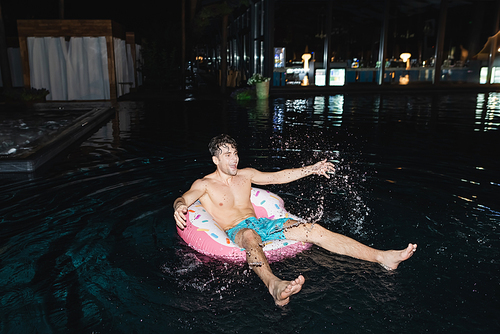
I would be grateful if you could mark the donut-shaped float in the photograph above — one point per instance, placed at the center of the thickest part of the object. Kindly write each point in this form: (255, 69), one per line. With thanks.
(204, 235)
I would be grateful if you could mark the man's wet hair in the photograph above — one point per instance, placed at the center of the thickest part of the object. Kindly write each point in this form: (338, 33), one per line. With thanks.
(217, 142)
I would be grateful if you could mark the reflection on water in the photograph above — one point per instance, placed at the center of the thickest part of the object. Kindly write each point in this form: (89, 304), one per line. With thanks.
(491, 118)
(91, 247)
(331, 110)
(487, 112)
(336, 109)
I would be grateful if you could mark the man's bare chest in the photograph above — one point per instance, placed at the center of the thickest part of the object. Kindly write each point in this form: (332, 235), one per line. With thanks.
(236, 193)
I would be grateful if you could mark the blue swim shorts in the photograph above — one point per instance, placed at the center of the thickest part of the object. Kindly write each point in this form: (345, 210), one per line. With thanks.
(267, 229)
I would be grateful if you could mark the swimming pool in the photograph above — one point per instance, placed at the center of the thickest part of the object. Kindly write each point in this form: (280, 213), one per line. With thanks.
(90, 245)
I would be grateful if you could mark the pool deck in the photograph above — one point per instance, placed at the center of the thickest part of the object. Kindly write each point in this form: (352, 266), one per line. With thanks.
(30, 136)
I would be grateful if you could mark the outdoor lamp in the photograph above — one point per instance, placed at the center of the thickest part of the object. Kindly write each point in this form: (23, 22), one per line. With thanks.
(305, 58)
(406, 58)
(305, 81)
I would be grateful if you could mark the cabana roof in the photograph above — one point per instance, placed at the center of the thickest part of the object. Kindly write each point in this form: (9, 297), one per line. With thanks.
(70, 28)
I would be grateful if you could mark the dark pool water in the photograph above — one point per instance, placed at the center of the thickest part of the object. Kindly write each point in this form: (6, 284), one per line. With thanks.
(90, 246)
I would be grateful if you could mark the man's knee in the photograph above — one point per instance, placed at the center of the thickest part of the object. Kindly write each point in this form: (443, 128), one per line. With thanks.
(247, 236)
(314, 229)
(303, 231)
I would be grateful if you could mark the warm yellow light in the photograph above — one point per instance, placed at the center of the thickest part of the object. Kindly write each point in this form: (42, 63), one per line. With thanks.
(405, 56)
(498, 49)
(404, 80)
(305, 58)
(305, 82)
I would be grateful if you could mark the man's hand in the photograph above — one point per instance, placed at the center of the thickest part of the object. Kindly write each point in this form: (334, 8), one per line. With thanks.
(180, 215)
(181, 204)
(323, 168)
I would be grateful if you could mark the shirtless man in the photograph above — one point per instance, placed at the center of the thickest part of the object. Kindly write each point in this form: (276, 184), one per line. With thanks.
(225, 194)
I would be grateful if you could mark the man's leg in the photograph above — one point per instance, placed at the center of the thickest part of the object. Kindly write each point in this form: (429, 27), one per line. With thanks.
(280, 290)
(343, 245)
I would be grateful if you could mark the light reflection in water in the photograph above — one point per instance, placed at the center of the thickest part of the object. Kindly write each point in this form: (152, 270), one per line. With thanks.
(319, 105)
(286, 113)
(479, 111)
(492, 112)
(278, 118)
(336, 109)
(319, 110)
(487, 112)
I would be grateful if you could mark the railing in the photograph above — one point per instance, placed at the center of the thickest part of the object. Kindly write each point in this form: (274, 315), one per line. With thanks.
(401, 76)
(412, 75)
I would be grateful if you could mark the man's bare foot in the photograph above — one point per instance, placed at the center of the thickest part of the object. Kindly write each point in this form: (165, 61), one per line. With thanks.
(392, 258)
(282, 290)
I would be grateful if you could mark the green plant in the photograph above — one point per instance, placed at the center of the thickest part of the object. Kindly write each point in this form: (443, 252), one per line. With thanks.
(24, 94)
(257, 78)
(244, 94)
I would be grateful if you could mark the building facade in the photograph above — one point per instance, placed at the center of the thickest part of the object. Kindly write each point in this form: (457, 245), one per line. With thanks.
(333, 43)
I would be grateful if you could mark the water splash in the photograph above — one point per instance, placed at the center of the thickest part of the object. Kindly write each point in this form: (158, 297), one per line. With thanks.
(336, 202)
(191, 271)
(188, 264)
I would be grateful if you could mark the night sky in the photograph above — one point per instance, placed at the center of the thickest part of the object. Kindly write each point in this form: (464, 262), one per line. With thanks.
(145, 17)
(296, 28)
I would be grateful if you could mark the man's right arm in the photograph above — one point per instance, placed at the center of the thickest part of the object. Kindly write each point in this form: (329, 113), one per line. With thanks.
(182, 203)
(288, 175)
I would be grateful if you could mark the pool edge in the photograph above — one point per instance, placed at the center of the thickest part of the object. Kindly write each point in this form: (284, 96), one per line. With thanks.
(81, 127)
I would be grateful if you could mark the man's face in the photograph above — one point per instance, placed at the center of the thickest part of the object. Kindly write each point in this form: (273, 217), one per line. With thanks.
(227, 160)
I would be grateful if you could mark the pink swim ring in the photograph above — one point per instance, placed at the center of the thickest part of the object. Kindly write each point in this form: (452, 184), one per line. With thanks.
(204, 235)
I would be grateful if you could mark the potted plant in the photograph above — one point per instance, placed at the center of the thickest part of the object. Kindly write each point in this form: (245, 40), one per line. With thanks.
(261, 85)
(26, 95)
(243, 94)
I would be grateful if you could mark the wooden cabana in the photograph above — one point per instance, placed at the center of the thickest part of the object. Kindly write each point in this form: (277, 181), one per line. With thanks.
(34, 33)
(133, 43)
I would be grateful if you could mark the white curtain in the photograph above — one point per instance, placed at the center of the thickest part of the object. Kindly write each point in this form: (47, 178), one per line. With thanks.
(39, 64)
(56, 50)
(99, 78)
(130, 66)
(77, 66)
(74, 70)
(87, 64)
(138, 63)
(122, 79)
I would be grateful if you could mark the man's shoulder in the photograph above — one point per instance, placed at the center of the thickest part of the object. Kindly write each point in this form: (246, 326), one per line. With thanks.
(247, 170)
(204, 180)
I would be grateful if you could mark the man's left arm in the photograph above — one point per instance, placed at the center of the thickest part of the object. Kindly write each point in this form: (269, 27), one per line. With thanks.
(289, 175)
